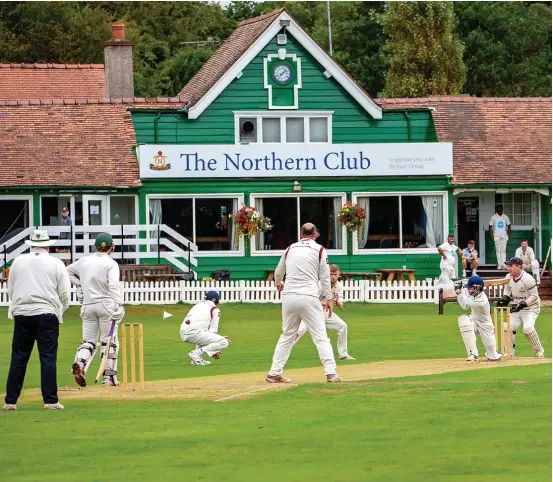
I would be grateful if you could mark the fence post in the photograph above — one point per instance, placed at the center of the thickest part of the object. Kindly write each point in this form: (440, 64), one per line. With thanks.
(242, 285)
(122, 244)
(158, 254)
(123, 291)
(182, 286)
(72, 234)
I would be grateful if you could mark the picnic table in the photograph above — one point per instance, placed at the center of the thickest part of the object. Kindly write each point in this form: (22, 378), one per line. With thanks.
(392, 273)
(369, 276)
(162, 277)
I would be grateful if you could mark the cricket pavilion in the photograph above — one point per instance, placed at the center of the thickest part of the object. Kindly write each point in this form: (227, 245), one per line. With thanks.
(270, 121)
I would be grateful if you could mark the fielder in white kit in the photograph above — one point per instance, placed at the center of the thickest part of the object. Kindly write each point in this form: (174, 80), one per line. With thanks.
(523, 291)
(447, 251)
(479, 320)
(531, 264)
(99, 291)
(200, 327)
(334, 322)
(305, 265)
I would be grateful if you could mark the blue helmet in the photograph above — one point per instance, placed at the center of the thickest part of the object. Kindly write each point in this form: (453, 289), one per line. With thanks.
(477, 282)
(212, 296)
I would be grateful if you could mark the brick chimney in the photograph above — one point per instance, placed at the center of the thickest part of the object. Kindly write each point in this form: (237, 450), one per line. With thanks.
(118, 63)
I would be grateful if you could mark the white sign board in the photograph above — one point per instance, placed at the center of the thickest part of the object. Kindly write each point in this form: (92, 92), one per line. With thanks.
(165, 161)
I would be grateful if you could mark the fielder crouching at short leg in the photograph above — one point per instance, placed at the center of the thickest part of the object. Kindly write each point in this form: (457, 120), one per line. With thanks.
(200, 327)
(472, 296)
(522, 289)
(305, 265)
(98, 289)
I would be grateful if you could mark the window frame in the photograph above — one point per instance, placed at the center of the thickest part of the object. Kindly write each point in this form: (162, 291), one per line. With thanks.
(280, 252)
(306, 115)
(518, 227)
(202, 253)
(425, 251)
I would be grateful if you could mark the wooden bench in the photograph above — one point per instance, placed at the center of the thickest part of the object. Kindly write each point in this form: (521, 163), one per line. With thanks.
(488, 285)
(392, 273)
(166, 277)
(364, 276)
(136, 272)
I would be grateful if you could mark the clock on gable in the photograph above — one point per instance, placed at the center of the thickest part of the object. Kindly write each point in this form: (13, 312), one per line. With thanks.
(282, 79)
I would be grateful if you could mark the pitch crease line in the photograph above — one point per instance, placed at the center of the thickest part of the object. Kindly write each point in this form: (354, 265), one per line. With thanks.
(245, 393)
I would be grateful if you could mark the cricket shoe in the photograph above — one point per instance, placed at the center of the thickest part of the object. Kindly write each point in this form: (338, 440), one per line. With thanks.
(195, 357)
(53, 406)
(10, 407)
(110, 381)
(499, 357)
(201, 363)
(472, 357)
(333, 378)
(278, 379)
(540, 354)
(78, 373)
(347, 357)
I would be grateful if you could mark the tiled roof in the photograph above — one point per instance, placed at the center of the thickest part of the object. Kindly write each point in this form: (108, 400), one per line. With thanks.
(495, 140)
(245, 35)
(67, 145)
(51, 81)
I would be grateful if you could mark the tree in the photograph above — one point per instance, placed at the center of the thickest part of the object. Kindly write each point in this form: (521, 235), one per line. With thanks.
(423, 53)
(507, 47)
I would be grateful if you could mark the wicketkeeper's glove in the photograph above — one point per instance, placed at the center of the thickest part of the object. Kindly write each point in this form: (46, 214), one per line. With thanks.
(458, 285)
(504, 301)
(518, 307)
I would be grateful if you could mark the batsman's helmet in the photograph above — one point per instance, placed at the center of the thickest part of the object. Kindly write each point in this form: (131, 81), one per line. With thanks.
(477, 283)
(212, 296)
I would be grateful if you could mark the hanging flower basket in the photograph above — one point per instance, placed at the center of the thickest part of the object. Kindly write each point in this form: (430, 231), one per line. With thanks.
(351, 216)
(248, 222)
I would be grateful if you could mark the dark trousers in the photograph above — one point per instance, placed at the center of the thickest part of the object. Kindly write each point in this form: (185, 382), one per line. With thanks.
(45, 329)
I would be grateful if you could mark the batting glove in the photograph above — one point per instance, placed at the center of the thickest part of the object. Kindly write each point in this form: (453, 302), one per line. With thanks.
(80, 296)
(118, 314)
(458, 285)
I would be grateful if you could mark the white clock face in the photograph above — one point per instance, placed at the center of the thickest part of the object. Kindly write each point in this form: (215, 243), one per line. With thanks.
(282, 73)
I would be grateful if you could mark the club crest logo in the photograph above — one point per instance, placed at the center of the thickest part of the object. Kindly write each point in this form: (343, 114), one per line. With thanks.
(160, 163)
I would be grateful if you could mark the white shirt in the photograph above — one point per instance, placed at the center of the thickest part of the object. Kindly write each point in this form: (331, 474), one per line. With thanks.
(203, 316)
(479, 305)
(448, 249)
(469, 255)
(98, 276)
(524, 288)
(305, 265)
(500, 224)
(527, 256)
(38, 284)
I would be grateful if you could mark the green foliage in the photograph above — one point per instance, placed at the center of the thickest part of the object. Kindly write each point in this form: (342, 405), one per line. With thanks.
(507, 47)
(423, 52)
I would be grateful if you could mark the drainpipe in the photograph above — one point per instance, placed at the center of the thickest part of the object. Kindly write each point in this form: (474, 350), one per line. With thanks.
(409, 136)
(156, 121)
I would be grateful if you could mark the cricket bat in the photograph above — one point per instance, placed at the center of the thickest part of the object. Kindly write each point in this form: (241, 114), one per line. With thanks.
(104, 361)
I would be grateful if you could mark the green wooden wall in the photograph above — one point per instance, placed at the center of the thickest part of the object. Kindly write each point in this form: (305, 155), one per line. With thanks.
(350, 123)
(546, 226)
(512, 244)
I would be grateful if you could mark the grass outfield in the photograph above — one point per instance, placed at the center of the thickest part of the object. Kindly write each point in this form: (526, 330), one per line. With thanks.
(493, 424)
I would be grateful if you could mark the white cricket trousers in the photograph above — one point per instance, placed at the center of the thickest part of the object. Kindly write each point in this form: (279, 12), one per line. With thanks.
(97, 318)
(335, 323)
(296, 308)
(500, 250)
(533, 268)
(210, 342)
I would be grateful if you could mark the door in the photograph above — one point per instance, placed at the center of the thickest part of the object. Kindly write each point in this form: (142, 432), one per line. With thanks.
(95, 213)
(467, 220)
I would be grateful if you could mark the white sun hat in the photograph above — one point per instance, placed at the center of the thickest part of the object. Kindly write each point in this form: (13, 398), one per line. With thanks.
(40, 239)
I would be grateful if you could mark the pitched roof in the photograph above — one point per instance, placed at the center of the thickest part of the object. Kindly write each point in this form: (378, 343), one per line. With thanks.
(67, 145)
(243, 45)
(245, 35)
(33, 81)
(495, 140)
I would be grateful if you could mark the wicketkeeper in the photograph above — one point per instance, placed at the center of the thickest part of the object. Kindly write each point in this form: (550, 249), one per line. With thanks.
(479, 321)
(98, 289)
(200, 327)
(523, 291)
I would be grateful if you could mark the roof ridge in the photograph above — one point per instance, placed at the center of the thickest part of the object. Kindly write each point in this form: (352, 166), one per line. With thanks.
(458, 98)
(249, 21)
(51, 66)
(90, 100)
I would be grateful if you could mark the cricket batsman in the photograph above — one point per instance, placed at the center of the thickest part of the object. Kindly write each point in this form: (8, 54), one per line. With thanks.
(98, 289)
(479, 321)
(333, 321)
(200, 326)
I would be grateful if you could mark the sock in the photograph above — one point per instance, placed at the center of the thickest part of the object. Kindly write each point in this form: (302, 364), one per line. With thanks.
(474, 272)
(464, 273)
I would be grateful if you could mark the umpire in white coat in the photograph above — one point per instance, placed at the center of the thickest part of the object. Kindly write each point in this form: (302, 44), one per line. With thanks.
(97, 279)
(38, 287)
(305, 265)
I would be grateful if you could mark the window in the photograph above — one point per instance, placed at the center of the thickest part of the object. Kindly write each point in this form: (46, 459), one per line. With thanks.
(288, 213)
(518, 206)
(16, 213)
(205, 221)
(283, 127)
(401, 221)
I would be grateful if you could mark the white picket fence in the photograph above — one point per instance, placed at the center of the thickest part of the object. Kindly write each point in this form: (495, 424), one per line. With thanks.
(172, 292)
